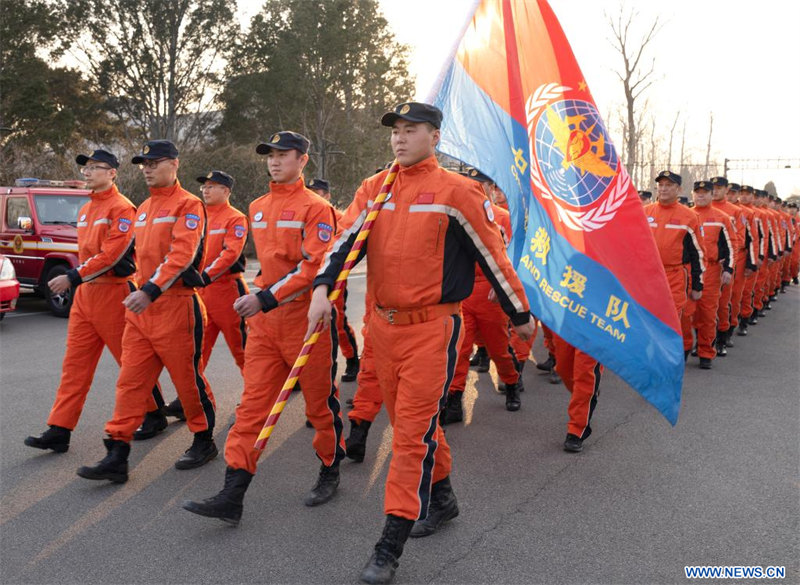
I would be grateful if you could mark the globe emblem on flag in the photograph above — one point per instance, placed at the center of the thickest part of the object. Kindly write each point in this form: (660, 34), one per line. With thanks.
(575, 157)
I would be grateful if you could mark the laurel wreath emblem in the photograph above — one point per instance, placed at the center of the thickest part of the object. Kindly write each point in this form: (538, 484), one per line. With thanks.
(588, 220)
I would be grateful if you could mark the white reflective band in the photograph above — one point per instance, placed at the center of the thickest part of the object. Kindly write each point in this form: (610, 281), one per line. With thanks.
(102, 221)
(258, 225)
(139, 223)
(82, 224)
(217, 232)
(168, 219)
(290, 224)
(389, 206)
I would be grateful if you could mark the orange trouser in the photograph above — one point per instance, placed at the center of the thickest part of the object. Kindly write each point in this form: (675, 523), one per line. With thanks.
(347, 338)
(678, 279)
(548, 339)
(415, 365)
(274, 341)
(737, 291)
(795, 261)
(218, 297)
(761, 285)
(746, 310)
(687, 323)
(96, 319)
(724, 302)
(167, 334)
(581, 375)
(368, 398)
(522, 349)
(705, 316)
(786, 268)
(486, 318)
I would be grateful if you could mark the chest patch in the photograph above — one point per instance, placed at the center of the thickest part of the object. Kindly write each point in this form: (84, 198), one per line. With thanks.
(487, 207)
(258, 216)
(425, 198)
(287, 214)
(162, 213)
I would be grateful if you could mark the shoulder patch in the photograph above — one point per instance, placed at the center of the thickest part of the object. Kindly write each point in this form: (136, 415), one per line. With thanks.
(192, 220)
(239, 231)
(487, 206)
(124, 225)
(324, 232)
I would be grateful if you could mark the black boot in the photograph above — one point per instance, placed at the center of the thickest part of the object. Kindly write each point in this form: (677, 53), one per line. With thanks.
(548, 364)
(114, 466)
(453, 410)
(174, 408)
(443, 507)
(326, 485)
(796, 280)
(719, 345)
(227, 504)
(742, 332)
(554, 378)
(351, 370)
(356, 443)
(480, 360)
(727, 339)
(383, 562)
(55, 438)
(573, 443)
(154, 423)
(202, 451)
(705, 364)
(513, 402)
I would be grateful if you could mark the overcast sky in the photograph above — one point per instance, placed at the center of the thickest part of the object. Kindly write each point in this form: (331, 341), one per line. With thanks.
(738, 59)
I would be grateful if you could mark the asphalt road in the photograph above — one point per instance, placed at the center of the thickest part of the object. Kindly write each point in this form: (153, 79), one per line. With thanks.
(640, 502)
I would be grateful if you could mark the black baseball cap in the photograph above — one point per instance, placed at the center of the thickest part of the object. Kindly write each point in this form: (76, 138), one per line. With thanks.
(760, 192)
(719, 181)
(156, 149)
(413, 112)
(319, 184)
(285, 140)
(220, 177)
(645, 194)
(734, 187)
(100, 156)
(747, 189)
(476, 175)
(702, 186)
(670, 176)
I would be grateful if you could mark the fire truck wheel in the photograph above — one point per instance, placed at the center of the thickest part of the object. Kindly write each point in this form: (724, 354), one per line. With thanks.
(59, 304)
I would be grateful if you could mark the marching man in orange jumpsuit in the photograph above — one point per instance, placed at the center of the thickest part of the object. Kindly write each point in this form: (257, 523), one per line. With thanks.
(292, 228)
(769, 236)
(482, 316)
(738, 239)
(747, 311)
(165, 318)
(422, 252)
(103, 280)
(716, 228)
(223, 274)
(746, 260)
(347, 338)
(676, 230)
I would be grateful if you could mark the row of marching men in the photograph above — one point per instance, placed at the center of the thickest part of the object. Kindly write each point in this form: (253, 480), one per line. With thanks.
(157, 284)
(728, 255)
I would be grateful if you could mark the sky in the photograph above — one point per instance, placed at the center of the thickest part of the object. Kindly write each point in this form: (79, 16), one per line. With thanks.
(738, 59)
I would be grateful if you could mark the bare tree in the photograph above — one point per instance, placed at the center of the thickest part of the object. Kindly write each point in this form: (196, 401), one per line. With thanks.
(708, 147)
(671, 135)
(635, 78)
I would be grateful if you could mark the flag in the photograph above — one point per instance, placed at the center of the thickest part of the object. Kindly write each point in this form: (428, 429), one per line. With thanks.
(517, 107)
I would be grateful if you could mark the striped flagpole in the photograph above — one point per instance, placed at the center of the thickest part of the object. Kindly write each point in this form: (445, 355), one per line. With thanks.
(341, 280)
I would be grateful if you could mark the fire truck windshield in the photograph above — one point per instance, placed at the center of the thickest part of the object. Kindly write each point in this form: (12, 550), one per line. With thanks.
(59, 209)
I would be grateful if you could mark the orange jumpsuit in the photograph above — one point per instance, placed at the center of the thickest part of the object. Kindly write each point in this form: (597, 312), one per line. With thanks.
(774, 269)
(794, 267)
(770, 255)
(746, 264)
(581, 374)
(486, 318)
(170, 244)
(676, 232)
(223, 278)
(97, 318)
(292, 229)
(738, 236)
(368, 398)
(788, 246)
(716, 229)
(422, 252)
(759, 248)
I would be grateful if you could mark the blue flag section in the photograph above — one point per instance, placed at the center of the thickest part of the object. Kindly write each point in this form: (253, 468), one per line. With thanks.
(517, 108)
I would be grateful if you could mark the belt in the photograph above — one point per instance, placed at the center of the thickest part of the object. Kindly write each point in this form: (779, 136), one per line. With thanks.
(417, 315)
(109, 279)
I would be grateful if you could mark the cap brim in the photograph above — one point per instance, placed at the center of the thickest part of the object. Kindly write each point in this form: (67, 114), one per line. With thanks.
(82, 159)
(389, 118)
(202, 180)
(264, 148)
(671, 180)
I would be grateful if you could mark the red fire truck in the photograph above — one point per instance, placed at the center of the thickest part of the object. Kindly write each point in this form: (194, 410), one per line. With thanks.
(38, 233)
